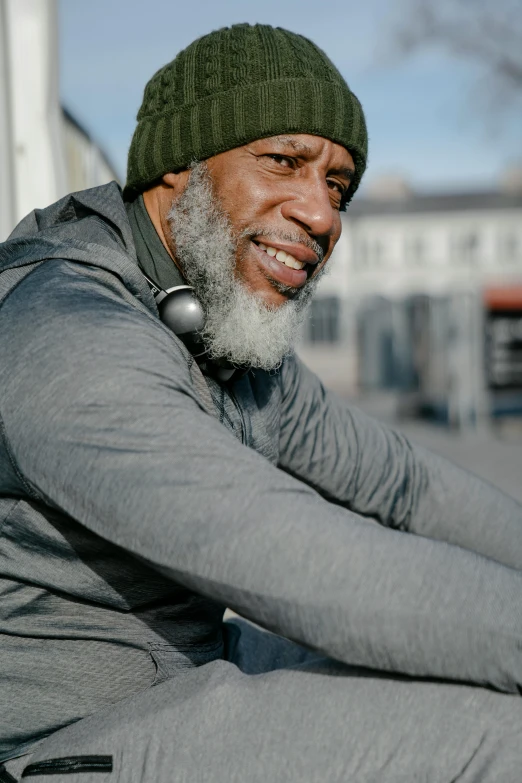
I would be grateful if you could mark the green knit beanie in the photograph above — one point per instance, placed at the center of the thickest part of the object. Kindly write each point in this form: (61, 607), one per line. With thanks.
(234, 86)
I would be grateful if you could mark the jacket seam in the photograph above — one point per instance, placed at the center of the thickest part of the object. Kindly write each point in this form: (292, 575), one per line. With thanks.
(34, 264)
(195, 647)
(3, 522)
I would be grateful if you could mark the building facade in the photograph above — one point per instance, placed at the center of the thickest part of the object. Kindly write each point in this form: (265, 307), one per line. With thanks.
(44, 152)
(406, 304)
(86, 163)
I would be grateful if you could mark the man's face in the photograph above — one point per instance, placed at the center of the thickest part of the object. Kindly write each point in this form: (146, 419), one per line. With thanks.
(283, 193)
(251, 230)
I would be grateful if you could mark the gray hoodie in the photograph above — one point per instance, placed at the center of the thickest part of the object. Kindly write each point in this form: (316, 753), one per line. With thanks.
(133, 508)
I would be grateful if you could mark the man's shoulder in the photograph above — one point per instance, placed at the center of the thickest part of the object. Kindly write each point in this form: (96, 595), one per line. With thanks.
(88, 231)
(103, 201)
(59, 299)
(83, 227)
(82, 325)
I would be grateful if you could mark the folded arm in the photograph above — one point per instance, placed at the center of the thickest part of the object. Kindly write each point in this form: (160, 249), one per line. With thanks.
(102, 421)
(369, 468)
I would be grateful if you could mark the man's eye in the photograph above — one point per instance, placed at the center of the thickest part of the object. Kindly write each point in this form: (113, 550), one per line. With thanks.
(282, 159)
(340, 189)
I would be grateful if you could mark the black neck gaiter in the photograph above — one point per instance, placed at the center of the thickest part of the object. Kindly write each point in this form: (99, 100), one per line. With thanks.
(153, 258)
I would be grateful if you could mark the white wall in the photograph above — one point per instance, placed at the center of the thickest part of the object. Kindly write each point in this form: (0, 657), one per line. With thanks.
(43, 155)
(85, 163)
(7, 181)
(37, 144)
(374, 257)
(397, 272)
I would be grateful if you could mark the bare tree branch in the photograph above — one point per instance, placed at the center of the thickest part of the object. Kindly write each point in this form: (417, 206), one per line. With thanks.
(488, 32)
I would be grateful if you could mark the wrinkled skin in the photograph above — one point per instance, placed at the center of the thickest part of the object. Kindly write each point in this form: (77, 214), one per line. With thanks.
(284, 191)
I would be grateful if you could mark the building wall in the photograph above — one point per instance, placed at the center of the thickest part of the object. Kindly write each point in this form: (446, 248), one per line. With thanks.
(389, 258)
(433, 253)
(86, 164)
(44, 152)
(335, 360)
(33, 142)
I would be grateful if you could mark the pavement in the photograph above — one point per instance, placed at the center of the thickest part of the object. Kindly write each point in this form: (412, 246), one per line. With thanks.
(493, 452)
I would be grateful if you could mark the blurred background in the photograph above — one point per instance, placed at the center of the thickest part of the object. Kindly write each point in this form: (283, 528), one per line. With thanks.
(420, 319)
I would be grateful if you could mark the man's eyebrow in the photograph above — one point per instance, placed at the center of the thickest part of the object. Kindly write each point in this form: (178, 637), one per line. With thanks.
(301, 147)
(297, 146)
(343, 171)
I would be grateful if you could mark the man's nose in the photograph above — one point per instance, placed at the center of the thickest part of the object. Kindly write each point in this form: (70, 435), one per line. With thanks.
(312, 209)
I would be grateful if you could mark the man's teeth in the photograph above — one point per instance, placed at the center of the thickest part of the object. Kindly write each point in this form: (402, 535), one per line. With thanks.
(282, 256)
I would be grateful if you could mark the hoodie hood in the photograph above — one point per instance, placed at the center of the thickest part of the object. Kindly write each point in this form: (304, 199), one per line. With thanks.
(53, 232)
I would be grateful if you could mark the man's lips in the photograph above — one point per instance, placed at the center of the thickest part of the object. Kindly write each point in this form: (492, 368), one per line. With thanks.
(295, 278)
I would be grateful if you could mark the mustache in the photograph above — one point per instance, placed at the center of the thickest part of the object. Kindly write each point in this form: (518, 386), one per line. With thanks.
(284, 236)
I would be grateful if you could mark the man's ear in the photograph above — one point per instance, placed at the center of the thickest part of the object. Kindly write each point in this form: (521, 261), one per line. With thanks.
(159, 198)
(177, 181)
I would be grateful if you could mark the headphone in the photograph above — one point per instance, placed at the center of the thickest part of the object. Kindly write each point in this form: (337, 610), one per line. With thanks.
(182, 312)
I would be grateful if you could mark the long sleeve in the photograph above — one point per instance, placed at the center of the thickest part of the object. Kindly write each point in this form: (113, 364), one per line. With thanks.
(360, 463)
(100, 420)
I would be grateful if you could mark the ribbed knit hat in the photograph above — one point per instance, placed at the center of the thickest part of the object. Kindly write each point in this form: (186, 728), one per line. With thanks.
(234, 86)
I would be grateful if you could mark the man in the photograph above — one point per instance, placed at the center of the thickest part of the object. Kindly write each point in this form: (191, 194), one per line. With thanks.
(140, 494)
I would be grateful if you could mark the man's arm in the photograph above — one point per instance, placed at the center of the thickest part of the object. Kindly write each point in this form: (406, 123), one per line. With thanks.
(101, 421)
(360, 463)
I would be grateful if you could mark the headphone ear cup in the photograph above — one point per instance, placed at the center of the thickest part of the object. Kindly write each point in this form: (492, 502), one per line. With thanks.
(181, 311)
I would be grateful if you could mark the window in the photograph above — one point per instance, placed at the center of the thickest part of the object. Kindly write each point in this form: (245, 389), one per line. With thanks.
(324, 320)
(361, 254)
(369, 254)
(415, 251)
(466, 249)
(510, 248)
(377, 253)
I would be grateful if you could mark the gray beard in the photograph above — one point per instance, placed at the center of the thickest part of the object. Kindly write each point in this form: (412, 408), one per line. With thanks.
(239, 327)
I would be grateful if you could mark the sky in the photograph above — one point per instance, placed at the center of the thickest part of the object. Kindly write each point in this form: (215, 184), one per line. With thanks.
(427, 118)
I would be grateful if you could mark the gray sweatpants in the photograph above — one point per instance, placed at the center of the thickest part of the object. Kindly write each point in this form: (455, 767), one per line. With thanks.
(276, 712)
